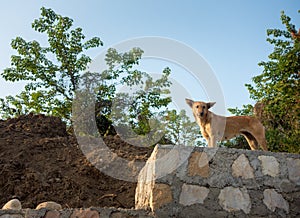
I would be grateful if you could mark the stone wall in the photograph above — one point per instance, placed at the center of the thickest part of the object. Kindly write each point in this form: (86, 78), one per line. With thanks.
(219, 182)
(75, 213)
(204, 182)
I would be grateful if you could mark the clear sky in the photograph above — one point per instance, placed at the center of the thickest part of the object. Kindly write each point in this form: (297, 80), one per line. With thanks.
(229, 34)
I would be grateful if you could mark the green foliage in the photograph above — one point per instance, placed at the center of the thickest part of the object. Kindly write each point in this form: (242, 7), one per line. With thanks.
(54, 80)
(121, 71)
(181, 130)
(246, 110)
(141, 108)
(143, 99)
(277, 89)
(52, 72)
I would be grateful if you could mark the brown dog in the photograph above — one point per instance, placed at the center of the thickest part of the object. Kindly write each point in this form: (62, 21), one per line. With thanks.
(218, 128)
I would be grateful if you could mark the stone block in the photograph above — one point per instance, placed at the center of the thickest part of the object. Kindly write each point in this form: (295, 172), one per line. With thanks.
(11, 216)
(193, 194)
(286, 186)
(294, 170)
(117, 215)
(269, 165)
(51, 205)
(274, 200)
(29, 213)
(85, 213)
(161, 195)
(52, 214)
(13, 204)
(198, 164)
(234, 199)
(163, 161)
(241, 168)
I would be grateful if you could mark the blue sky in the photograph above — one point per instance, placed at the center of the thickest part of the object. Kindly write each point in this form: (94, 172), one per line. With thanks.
(230, 35)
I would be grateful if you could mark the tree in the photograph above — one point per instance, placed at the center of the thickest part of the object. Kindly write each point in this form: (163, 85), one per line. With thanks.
(54, 73)
(121, 71)
(122, 98)
(51, 83)
(277, 89)
(55, 80)
(148, 97)
(181, 130)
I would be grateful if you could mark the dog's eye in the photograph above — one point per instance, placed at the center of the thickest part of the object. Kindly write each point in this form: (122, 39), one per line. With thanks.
(203, 107)
(197, 106)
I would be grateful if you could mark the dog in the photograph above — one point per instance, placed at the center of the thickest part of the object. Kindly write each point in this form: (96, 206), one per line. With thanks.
(218, 128)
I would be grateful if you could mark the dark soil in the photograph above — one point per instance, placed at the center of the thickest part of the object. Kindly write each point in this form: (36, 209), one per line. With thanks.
(40, 161)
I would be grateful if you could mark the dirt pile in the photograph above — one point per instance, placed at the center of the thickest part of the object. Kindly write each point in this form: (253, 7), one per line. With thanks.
(40, 161)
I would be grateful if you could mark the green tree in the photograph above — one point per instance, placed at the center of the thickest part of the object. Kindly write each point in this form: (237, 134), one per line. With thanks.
(126, 98)
(145, 99)
(277, 89)
(121, 71)
(181, 130)
(52, 72)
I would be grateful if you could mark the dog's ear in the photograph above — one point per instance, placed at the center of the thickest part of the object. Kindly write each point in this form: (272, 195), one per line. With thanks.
(189, 102)
(210, 104)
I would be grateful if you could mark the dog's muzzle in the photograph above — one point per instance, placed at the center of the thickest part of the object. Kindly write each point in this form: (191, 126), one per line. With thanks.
(200, 114)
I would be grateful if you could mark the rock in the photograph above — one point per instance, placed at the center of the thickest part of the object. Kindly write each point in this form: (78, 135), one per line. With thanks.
(151, 194)
(294, 170)
(11, 216)
(51, 205)
(241, 168)
(85, 213)
(13, 204)
(235, 199)
(286, 186)
(52, 214)
(161, 195)
(117, 215)
(270, 165)
(198, 164)
(274, 200)
(146, 181)
(193, 194)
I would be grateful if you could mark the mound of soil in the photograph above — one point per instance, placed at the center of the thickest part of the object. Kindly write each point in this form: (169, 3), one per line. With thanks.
(40, 161)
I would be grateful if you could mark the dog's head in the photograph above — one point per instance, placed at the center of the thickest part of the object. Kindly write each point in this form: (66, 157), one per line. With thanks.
(200, 109)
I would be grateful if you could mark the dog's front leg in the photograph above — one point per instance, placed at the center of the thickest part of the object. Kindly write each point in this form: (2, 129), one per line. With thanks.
(212, 142)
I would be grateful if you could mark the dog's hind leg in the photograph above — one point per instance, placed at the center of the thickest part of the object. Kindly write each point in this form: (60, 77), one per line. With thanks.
(259, 134)
(253, 143)
(262, 142)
